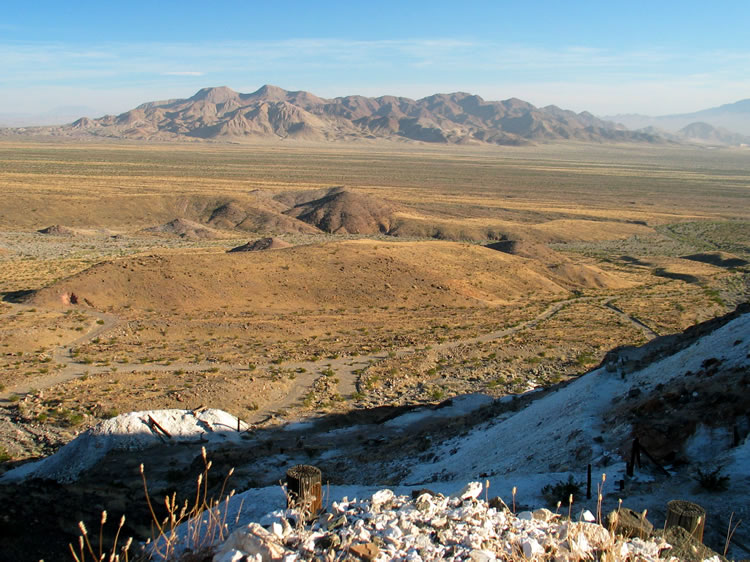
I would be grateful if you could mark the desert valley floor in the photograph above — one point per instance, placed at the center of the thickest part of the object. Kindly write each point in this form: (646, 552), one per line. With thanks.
(365, 276)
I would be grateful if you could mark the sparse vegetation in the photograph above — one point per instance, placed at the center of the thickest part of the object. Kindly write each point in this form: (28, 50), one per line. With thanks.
(712, 480)
(561, 492)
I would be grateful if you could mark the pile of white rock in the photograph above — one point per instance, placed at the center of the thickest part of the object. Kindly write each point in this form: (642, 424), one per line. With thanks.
(431, 527)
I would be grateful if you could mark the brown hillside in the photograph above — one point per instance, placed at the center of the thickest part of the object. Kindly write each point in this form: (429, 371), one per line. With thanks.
(246, 217)
(346, 212)
(559, 267)
(184, 229)
(339, 274)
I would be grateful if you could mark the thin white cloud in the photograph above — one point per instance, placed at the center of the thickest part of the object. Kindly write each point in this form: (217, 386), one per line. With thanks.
(581, 77)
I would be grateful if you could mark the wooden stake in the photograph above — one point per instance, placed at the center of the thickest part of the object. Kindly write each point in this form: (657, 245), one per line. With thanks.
(154, 423)
(305, 490)
(690, 516)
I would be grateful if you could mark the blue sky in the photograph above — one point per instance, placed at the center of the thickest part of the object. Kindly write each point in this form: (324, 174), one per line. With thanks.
(607, 57)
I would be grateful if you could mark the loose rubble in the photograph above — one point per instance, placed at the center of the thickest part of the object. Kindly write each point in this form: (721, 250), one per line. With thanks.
(431, 527)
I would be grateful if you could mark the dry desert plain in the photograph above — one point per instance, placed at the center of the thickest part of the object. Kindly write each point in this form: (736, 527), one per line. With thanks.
(413, 272)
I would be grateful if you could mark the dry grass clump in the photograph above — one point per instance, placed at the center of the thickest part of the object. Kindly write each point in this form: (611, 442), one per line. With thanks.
(189, 531)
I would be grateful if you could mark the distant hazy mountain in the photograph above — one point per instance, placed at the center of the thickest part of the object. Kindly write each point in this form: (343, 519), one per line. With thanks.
(704, 133)
(274, 113)
(734, 117)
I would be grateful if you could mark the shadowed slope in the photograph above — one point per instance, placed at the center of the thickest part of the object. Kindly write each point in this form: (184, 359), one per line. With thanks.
(262, 244)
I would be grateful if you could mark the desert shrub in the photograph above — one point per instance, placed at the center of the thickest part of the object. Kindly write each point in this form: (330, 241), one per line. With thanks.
(585, 358)
(713, 480)
(561, 491)
(72, 419)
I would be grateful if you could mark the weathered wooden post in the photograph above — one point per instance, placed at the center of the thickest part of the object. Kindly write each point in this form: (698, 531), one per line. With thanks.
(690, 516)
(635, 457)
(305, 490)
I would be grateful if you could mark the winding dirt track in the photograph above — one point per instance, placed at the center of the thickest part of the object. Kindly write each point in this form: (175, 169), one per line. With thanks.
(345, 368)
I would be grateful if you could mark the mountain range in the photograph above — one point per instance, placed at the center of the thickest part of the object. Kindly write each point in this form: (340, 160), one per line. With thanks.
(734, 117)
(274, 113)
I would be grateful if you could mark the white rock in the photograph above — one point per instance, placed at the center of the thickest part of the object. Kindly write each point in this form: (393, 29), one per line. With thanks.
(470, 491)
(229, 556)
(275, 516)
(252, 540)
(544, 514)
(472, 530)
(531, 548)
(381, 497)
(482, 556)
(595, 534)
(393, 533)
(579, 545)
(588, 516)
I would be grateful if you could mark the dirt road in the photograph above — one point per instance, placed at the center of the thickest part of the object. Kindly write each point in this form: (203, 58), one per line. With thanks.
(346, 369)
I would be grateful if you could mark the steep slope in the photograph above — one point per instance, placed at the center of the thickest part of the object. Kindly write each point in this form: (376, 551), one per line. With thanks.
(685, 396)
(272, 113)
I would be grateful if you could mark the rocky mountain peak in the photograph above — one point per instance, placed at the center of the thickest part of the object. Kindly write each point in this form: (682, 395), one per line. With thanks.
(220, 94)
